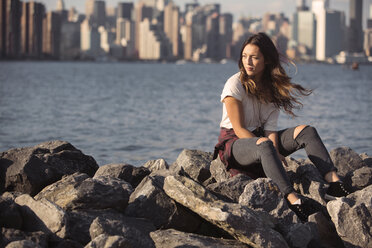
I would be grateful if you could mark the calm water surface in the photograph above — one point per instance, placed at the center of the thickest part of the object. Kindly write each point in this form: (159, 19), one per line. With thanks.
(134, 112)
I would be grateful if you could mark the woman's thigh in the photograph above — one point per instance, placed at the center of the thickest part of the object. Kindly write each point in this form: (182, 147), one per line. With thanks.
(245, 151)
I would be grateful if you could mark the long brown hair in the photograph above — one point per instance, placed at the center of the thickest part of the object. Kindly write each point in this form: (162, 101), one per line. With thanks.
(276, 86)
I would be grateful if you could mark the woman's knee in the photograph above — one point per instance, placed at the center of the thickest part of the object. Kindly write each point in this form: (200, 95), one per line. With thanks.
(298, 130)
(306, 131)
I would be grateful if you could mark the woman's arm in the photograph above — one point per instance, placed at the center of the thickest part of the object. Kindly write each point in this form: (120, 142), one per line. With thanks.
(273, 136)
(235, 113)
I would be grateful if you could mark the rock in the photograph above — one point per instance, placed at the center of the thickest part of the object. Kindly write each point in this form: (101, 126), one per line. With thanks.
(361, 178)
(9, 235)
(264, 196)
(79, 191)
(42, 215)
(149, 201)
(326, 231)
(10, 215)
(171, 238)
(79, 222)
(218, 170)
(155, 165)
(109, 242)
(135, 232)
(230, 189)
(241, 222)
(126, 172)
(23, 244)
(299, 235)
(306, 179)
(352, 217)
(28, 170)
(346, 160)
(194, 164)
(366, 159)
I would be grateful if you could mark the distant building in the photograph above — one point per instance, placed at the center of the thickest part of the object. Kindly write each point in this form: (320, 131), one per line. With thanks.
(304, 30)
(32, 29)
(355, 33)
(226, 35)
(70, 41)
(142, 12)
(125, 35)
(125, 10)
(10, 13)
(107, 39)
(52, 35)
(89, 40)
(213, 36)
(329, 30)
(153, 43)
(172, 27)
(99, 13)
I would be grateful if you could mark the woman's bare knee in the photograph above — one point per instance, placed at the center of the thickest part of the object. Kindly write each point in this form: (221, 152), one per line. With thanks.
(260, 140)
(298, 130)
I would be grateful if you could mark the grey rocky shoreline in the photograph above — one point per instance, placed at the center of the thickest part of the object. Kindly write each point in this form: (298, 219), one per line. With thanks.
(53, 195)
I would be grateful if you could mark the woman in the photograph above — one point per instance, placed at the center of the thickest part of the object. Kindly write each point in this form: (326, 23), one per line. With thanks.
(249, 141)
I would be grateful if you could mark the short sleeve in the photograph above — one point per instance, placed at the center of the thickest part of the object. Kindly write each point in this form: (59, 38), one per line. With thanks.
(233, 88)
(271, 123)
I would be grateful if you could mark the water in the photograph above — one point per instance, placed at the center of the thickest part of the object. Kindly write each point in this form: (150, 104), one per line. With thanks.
(134, 112)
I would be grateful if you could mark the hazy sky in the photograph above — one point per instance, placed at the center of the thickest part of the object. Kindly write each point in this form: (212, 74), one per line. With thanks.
(236, 7)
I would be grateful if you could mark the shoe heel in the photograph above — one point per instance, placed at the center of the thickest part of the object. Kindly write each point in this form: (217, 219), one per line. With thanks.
(330, 198)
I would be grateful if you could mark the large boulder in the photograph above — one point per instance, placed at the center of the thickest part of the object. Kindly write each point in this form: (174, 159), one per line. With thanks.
(194, 164)
(23, 244)
(42, 215)
(306, 179)
(30, 169)
(155, 165)
(79, 191)
(346, 160)
(126, 172)
(352, 217)
(218, 170)
(264, 196)
(171, 238)
(149, 201)
(241, 222)
(107, 241)
(9, 235)
(361, 178)
(135, 232)
(230, 189)
(80, 221)
(10, 215)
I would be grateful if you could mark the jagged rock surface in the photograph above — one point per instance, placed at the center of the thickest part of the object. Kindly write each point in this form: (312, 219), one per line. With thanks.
(79, 191)
(194, 199)
(29, 170)
(172, 239)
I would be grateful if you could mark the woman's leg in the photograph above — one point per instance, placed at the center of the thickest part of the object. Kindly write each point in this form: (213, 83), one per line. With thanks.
(304, 136)
(252, 150)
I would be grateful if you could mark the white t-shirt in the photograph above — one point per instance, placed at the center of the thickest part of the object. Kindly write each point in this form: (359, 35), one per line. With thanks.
(254, 111)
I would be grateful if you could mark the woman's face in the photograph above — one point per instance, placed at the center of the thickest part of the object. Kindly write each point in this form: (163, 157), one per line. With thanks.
(253, 61)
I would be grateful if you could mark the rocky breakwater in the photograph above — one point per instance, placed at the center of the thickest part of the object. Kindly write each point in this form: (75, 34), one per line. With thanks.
(55, 196)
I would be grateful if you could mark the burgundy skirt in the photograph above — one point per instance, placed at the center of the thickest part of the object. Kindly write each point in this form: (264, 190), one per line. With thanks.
(223, 149)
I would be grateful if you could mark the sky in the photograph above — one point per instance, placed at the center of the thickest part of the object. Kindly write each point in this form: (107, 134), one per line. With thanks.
(252, 8)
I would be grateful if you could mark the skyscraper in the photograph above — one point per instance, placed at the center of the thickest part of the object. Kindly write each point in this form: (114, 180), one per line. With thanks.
(125, 10)
(60, 5)
(355, 29)
(32, 29)
(172, 26)
(10, 12)
(99, 13)
(52, 34)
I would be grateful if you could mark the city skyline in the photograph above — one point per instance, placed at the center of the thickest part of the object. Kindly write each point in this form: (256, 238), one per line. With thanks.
(288, 7)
